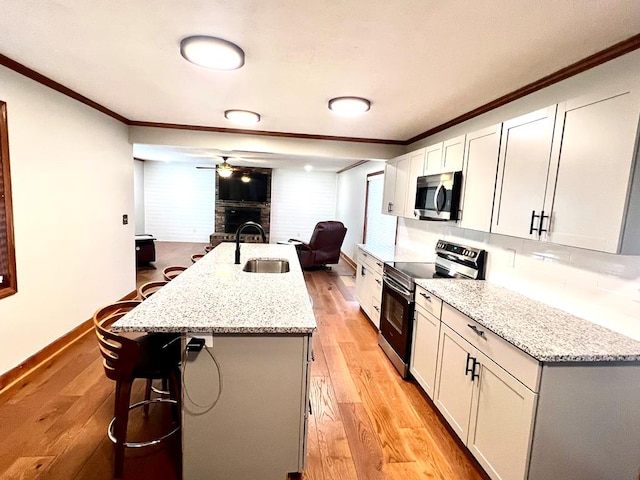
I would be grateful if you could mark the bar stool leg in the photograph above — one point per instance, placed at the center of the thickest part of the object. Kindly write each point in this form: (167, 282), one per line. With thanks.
(123, 394)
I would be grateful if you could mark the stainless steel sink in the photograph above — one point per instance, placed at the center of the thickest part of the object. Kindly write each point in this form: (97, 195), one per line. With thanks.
(266, 265)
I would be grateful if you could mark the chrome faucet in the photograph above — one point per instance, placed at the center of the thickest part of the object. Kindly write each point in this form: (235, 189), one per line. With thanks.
(239, 231)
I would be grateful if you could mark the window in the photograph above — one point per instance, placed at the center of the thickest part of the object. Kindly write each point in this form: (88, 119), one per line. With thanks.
(8, 283)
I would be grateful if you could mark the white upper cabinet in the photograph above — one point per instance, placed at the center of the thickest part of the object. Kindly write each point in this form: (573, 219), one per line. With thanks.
(416, 169)
(525, 152)
(453, 154)
(388, 194)
(396, 175)
(445, 156)
(479, 178)
(592, 163)
(433, 159)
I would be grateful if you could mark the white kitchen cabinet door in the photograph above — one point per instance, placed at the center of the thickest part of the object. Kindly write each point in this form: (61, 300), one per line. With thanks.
(454, 388)
(525, 151)
(402, 181)
(363, 293)
(453, 154)
(433, 159)
(396, 176)
(416, 169)
(479, 178)
(388, 194)
(501, 424)
(596, 137)
(424, 350)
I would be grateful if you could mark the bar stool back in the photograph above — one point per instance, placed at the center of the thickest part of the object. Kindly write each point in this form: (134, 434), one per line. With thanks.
(126, 359)
(169, 273)
(147, 289)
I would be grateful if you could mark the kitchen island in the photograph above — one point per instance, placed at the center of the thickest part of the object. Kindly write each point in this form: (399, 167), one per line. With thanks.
(246, 394)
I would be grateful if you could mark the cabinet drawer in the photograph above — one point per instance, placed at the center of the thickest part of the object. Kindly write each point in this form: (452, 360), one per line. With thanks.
(522, 366)
(428, 302)
(374, 263)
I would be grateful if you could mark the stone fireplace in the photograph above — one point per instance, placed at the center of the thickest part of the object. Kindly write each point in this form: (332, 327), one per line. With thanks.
(231, 214)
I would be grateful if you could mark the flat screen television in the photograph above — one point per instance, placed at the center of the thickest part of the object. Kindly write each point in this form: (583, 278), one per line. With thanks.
(236, 189)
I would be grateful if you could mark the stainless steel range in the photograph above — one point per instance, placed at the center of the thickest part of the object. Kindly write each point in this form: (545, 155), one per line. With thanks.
(398, 294)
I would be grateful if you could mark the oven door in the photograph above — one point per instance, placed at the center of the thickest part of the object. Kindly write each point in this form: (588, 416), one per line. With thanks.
(396, 317)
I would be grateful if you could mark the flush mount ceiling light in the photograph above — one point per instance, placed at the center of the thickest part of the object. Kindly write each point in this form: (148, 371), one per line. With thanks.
(242, 117)
(349, 106)
(212, 52)
(245, 178)
(224, 169)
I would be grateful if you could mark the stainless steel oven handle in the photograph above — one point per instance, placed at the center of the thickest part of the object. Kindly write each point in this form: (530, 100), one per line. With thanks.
(396, 287)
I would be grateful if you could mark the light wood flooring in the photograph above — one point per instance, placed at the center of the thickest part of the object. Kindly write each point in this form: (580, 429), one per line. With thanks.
(367, 422)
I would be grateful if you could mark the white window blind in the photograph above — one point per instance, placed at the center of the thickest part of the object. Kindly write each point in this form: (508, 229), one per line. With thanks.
(380, 229)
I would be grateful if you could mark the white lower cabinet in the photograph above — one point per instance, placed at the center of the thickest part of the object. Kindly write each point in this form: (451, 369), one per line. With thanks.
(501, 423)
(369, 285)
(489, 409)
(424, 353)
(526, 420)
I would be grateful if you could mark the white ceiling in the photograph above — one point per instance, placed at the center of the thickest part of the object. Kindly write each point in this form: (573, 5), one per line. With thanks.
(420, 62)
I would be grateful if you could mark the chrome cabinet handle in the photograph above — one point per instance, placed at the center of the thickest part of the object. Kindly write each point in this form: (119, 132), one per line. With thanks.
(467, 369)
(542, 217)
(476, 330)
(377, 308)
(379, 282)
(533, 218)
(379, 264)
(426, 297)
(471, 369)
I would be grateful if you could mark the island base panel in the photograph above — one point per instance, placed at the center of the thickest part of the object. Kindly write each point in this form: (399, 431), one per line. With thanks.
(257, 428)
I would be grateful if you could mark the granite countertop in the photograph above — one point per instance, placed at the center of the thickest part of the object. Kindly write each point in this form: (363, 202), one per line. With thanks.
(544, 332)
(215, 296)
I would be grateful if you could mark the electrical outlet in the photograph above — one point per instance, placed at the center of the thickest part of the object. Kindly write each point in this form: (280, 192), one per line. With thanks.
(125, 219)
(511, 258)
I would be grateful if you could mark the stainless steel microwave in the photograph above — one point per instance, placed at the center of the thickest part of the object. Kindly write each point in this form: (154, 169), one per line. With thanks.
(438, 196)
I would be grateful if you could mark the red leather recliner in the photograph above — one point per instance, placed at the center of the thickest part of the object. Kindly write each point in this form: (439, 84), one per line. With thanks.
(324, 246)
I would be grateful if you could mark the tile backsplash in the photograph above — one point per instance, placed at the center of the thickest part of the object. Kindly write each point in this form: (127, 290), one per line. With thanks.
(599, 287)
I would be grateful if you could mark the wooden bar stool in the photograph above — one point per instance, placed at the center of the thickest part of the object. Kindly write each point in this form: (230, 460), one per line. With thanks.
(125, 359)
(147, 289)
(208, 248)
(197, 256)
(169, 273)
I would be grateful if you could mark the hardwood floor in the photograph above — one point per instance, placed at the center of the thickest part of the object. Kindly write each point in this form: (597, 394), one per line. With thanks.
(367, 422)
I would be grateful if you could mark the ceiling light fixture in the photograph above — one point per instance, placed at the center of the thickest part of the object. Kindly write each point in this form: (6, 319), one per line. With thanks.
(212, 52)
(242, 117)
(224, 169)
(308, 168)
(349, 106)
(245, 178)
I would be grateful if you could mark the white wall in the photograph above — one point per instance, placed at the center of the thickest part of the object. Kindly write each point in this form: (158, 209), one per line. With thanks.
(72, 180)
(299, 200)
(352, 190)
(179, 202)
(601, 287)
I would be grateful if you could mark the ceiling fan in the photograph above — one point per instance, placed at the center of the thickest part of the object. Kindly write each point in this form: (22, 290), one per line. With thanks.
(224, 169)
